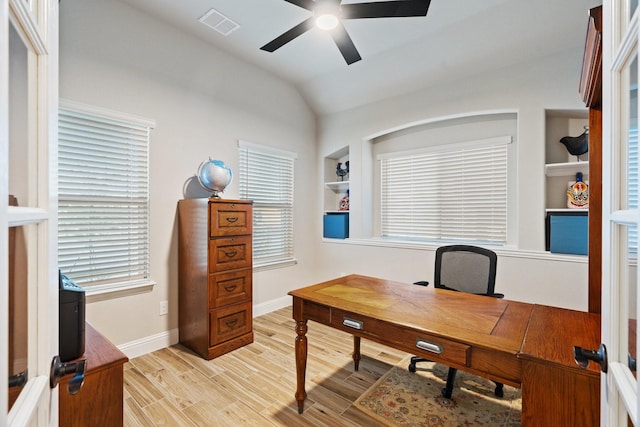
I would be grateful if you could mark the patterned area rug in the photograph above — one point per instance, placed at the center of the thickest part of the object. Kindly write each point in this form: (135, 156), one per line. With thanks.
(402, 398)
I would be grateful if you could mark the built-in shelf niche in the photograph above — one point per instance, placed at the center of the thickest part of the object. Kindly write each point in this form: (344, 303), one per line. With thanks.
(335, 187)
(560, 166)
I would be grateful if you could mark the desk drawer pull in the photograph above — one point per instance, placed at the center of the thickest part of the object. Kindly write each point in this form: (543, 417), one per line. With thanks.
(355, 324)
(429, 346)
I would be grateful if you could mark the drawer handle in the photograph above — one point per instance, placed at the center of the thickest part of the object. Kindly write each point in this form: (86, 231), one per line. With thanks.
(355, 324)
(231, 323)
(230, 288)
(231, 254)
(429, 346)
(232, 219)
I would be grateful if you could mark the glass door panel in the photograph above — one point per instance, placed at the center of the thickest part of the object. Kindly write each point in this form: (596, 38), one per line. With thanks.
(21, 176)
(629, 144)
(22, 179)
(629, 202)
(628, 268)
(18, 312)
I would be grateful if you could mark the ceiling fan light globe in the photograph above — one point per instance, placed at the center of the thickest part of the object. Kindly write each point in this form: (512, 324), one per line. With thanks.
(327, 21)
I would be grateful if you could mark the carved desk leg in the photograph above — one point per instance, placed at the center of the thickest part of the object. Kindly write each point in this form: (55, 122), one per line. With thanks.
(301, 362)
(356, 352)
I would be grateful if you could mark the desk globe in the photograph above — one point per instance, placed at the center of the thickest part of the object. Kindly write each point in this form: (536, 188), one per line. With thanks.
(214, 176)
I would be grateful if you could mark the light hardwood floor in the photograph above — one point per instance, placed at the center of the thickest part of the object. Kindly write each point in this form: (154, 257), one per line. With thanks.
(254, 385)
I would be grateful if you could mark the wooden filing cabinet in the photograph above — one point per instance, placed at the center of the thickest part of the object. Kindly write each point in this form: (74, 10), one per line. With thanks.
(215, 275)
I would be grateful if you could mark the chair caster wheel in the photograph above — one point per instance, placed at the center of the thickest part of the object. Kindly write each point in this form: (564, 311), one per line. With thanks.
(446, 393)
(412, 367)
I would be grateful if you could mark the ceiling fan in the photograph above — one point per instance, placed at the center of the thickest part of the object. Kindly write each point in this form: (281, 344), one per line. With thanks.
(329, 14)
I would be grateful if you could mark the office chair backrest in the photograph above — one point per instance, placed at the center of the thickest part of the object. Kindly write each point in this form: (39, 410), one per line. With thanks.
(466, 268)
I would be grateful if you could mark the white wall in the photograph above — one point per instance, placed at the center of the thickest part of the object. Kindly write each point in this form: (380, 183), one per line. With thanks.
(525, 271)
(203, 100)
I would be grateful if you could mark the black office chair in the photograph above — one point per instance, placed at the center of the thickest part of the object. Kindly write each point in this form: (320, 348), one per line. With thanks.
(469, 269)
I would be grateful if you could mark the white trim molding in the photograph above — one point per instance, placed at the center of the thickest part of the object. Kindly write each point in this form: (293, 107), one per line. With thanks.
(272, 305)
(171, 337)
(149, 344)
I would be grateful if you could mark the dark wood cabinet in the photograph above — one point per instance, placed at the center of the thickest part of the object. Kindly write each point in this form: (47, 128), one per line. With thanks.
(555, 390)
(100, 400)
(215, 275)
(591, 92)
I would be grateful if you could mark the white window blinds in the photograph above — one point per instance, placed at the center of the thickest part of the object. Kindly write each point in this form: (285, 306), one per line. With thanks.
(266, 177)
(632, 188)
(103, 201)
(449, 194)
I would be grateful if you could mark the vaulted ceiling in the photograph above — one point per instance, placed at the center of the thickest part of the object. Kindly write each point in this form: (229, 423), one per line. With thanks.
(399, 55)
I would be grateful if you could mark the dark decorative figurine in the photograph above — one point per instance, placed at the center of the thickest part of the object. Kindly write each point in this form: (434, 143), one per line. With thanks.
(342, 172)
(577, 145)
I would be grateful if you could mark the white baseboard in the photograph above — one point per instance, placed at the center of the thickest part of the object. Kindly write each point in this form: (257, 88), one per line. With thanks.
(165, 339)
(149, 344)
(272, 305)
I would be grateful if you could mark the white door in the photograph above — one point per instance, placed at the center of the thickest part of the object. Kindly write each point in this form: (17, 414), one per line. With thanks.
(28, 228)
(621, 216)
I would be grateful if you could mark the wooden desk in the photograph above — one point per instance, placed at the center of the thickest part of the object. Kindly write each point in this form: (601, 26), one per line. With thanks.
(484, 338)
(100, 400)
(474, 333)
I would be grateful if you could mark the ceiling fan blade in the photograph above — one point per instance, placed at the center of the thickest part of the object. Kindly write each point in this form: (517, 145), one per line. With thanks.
(385, 9)
(286, 37)
(305, 4)
(345, 44)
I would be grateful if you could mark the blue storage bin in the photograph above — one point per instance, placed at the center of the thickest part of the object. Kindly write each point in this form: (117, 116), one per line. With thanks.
(569, 234)
(336, 225)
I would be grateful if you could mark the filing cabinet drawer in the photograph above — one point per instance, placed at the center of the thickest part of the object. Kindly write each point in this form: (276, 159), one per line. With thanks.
(229, 288)
(429, 346)
(230, 253)
(230, 219)
(230, 322)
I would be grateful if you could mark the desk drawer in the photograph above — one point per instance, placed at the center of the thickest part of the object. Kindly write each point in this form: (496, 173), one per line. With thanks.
(230, 322)
(430, 346)
(230, 253)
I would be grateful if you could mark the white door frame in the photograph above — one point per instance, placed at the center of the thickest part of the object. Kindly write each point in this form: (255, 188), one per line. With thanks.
(619, 396)
(37, 23)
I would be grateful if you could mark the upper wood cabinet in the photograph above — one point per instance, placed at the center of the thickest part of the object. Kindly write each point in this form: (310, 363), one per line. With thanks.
(591, 92)
(591, 78)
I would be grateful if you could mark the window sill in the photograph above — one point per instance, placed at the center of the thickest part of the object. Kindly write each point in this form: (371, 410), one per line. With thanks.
(507, 251)
(272, 265)
(117, 290)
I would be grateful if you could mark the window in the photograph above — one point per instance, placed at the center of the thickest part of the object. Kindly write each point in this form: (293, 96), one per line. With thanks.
(103, 200)
(266, 177)
(453, 192)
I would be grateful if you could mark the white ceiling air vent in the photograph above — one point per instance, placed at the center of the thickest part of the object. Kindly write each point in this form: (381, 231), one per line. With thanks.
(219, 22)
